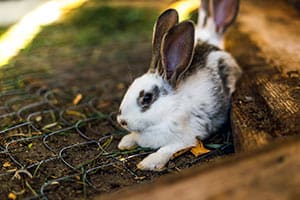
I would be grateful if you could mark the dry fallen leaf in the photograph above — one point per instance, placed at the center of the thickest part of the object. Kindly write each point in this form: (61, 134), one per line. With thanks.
(77, 99)
(197, 150)
(12, 196)
(6, 164)
(75, 113)
(180, 152)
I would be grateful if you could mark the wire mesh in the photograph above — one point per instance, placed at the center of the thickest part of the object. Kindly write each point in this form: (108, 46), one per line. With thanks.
(50, 145)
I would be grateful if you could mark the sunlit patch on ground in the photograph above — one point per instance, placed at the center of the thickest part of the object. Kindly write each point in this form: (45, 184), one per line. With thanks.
(22, 33)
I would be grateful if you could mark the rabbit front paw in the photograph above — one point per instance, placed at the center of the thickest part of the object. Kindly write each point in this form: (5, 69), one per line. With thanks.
(128, 142)
(155, 162)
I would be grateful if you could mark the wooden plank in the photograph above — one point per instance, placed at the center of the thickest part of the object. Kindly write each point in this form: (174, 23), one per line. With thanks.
(266, 105)
(270, 173)
(274, 27)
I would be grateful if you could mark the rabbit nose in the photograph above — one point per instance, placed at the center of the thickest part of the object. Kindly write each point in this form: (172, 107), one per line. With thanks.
(123, 122)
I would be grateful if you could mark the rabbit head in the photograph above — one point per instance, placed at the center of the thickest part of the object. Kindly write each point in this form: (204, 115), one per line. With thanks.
(149, 97)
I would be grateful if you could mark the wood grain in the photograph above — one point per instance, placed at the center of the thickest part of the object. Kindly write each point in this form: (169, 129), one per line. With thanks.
(266, 105)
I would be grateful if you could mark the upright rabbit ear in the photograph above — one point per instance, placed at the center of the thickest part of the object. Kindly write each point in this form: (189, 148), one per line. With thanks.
(164, 23)
(177, 50)
(204, 13)
(224, 13)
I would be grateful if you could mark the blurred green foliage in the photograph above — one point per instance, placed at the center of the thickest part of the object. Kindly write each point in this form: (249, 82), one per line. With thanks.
(2, 30)
(97, 25)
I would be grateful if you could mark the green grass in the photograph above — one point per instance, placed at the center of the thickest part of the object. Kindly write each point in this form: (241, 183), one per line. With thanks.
(95, 25)
(87, 36)
(2, 30)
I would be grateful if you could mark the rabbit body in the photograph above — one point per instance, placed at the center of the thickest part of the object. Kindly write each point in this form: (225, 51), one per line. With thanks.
(196, 108)
(184, 95)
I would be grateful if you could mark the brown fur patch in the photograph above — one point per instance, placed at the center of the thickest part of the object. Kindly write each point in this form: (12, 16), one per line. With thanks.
(201, 52)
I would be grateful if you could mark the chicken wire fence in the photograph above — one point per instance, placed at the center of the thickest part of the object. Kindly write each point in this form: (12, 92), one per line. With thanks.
(52, 142)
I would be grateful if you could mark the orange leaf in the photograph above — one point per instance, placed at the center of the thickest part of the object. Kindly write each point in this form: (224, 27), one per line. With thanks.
(77, 99)
(6, 164)
(12, 196)
(199, 149)
(180, 152)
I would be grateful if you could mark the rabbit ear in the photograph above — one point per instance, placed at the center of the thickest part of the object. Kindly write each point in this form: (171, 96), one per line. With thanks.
(164, 23)
(204, 13)
(224, 13)
(177, 50)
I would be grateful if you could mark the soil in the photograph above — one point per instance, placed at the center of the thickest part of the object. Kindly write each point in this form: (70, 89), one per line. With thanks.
(55, 148)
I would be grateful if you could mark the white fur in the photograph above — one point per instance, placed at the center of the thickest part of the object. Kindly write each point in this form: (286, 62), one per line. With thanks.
(169, 124)
(208, 32)
(234, 72)
(196, 108)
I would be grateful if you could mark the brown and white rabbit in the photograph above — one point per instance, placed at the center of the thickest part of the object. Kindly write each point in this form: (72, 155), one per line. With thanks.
(185, 93)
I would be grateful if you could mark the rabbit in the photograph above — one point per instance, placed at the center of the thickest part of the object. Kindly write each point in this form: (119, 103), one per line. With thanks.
(184, 95)
(214, 17)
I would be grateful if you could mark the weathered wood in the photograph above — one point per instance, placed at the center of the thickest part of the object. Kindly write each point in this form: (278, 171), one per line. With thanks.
(274, 27)
(267, 102)
(270, 173)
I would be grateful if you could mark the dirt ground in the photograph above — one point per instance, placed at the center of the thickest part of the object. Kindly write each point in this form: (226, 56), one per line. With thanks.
(59, 96)
(58, 101)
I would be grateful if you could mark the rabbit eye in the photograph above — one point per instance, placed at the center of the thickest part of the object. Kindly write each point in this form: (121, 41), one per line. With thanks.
(147, 99)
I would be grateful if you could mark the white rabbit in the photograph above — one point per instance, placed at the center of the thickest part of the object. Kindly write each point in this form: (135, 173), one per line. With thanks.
(185, 93)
